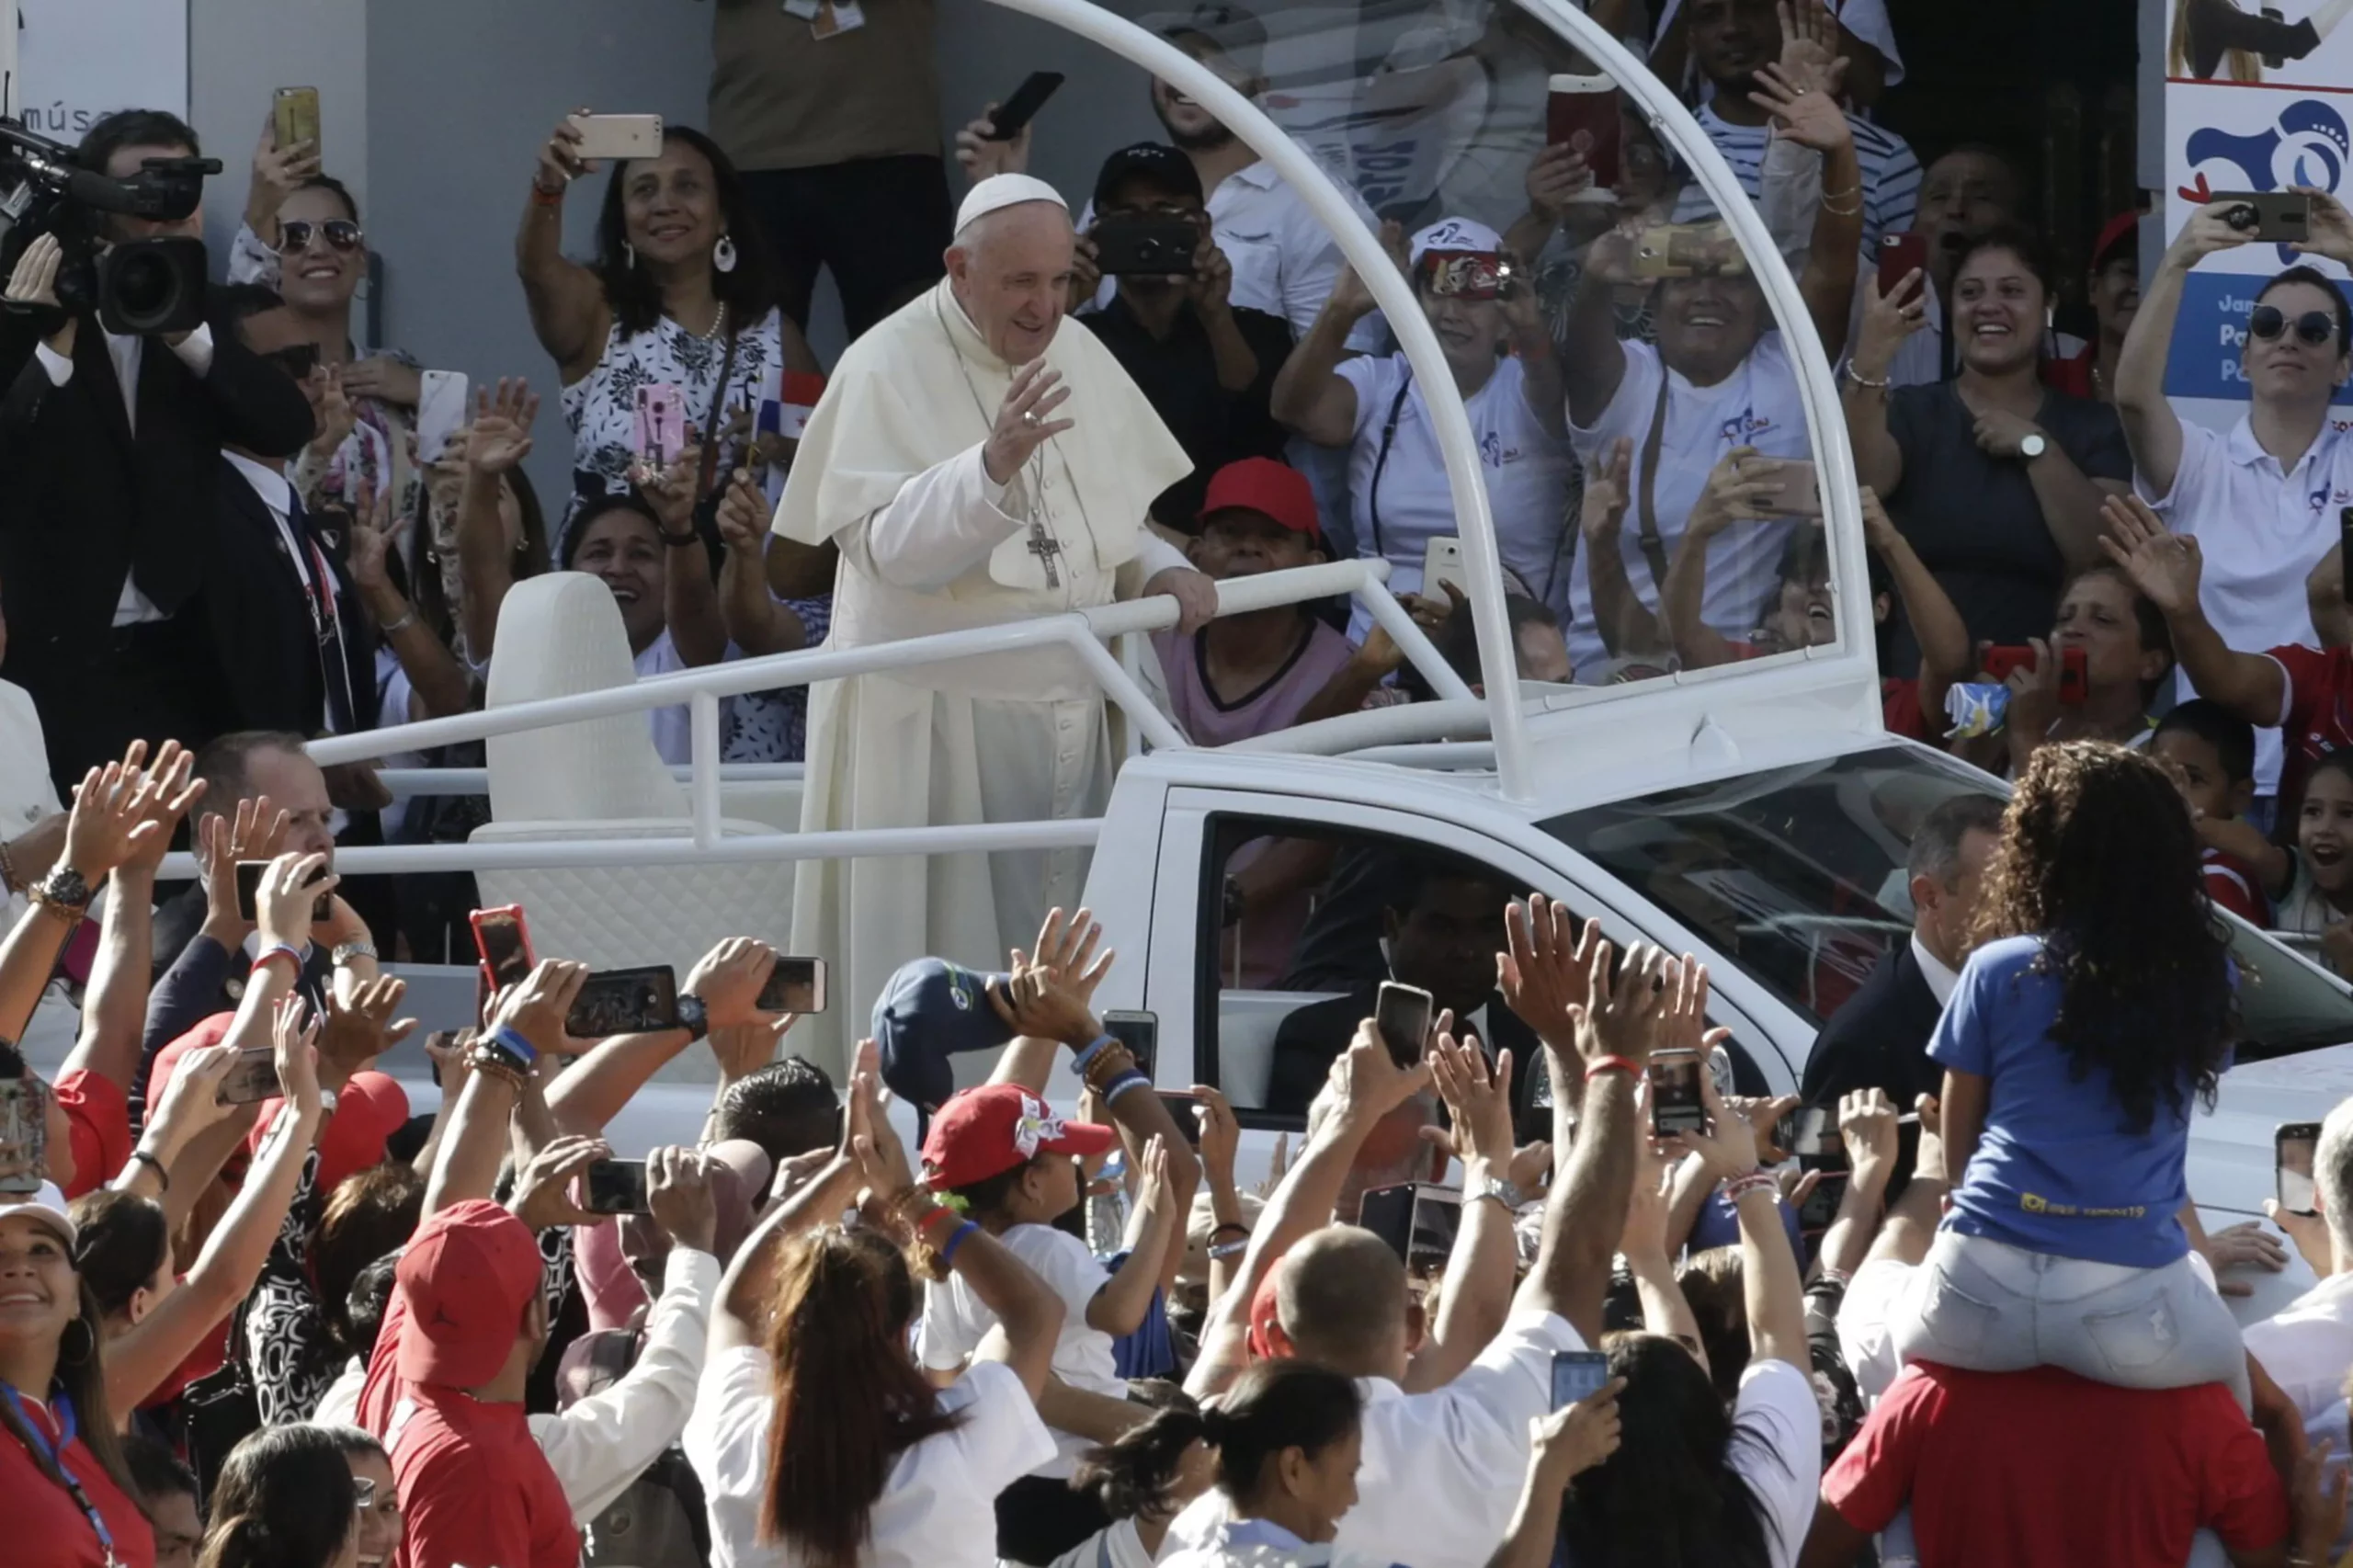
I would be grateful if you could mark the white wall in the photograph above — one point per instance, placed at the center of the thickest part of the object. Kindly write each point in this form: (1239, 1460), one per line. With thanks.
(239, 52)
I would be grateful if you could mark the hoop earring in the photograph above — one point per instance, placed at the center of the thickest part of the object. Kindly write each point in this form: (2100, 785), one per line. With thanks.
(89, 1343)
(722, 255)
(628, 255)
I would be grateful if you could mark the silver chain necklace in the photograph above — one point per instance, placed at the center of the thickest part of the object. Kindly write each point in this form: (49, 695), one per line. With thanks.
(1041, 543)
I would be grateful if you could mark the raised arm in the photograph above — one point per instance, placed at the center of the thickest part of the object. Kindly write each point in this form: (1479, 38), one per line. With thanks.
(1475, 1299)
(726, 980)
(750, 615)
(1866, 1125)
(531, 1015)
(2166, 567)
(1650, 1257)
(689, 590)
(1741, 488)
(1813, 119)
(1768, 1269)
(438, 681)
(114, 1006)
(1946, 653)
(1888, 320)
(1310, 394)
(1627, 625)
(496, 444)
(569, 316)
(2151, 428)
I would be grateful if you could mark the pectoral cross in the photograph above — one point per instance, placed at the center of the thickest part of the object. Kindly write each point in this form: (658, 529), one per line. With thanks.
(1045, 547)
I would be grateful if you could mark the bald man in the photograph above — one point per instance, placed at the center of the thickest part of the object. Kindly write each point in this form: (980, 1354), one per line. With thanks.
(977, 463)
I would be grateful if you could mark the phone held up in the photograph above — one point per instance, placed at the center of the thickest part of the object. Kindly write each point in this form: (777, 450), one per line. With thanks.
(1014, 115)
(294, 118)
(795, 986)
(2293, 1144)
(1675, 1102)
(618, 136)
(1139, 1032)
(615, 1187)
(504, 944)
(1577, 1375)
(249, 875)
(2283, 217)
(24, 1134)
(1402, 1016)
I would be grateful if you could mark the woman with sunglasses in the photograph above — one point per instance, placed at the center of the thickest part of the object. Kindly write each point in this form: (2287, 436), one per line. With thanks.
(2244, 497)
(1994, 478)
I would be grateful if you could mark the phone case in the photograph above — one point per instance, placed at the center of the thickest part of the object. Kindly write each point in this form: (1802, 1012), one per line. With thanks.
(522, 930)
(297, 117)
(661, 424)
(1900, 255)
(1587, 104)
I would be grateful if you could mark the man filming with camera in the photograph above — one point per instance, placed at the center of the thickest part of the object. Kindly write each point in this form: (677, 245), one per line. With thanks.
(110, 441)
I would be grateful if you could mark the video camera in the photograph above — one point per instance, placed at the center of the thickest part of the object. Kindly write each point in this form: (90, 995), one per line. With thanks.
(139, 287)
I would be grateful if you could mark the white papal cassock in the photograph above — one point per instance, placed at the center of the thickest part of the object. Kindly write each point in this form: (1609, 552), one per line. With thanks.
(890, 470)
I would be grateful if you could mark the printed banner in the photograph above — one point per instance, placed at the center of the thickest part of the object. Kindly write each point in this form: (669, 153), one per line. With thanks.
(77, 60)
(2274, 44)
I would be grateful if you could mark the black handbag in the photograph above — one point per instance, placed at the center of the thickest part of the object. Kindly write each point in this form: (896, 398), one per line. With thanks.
(223, 1409)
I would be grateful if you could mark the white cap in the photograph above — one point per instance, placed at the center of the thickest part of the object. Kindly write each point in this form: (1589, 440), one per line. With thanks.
(1005, 190)
(1455, 235)
(48, 1204)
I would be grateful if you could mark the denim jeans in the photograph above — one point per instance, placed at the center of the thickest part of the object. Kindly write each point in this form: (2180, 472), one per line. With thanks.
(1986, 1306)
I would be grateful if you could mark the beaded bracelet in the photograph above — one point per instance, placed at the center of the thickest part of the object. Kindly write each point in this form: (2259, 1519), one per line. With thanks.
(1079, 1063)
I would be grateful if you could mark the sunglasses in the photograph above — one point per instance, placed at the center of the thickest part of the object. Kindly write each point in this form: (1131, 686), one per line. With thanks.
(2314, 327)
(295, 237)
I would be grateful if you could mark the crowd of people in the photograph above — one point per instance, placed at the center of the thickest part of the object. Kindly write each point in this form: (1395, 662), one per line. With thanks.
(254, 1312)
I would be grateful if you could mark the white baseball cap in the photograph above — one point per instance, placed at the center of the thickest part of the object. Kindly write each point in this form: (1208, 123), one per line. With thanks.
(1455, 235)
(47, 1203)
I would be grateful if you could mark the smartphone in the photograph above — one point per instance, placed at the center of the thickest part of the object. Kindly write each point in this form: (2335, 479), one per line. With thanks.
(1442, 563)
(504, 944)
(614, 1186)
(440, 412)
(1586, 108)
(1186, 1111)
(1800, 489)
(1388, 1212)
(1161, 247)
(2075, 683)
(624, 1001)
(660, 431)
(2002, 660)
(2293, 1144)
(2345, 547)
(2282, 216)
(1437, 1219)
(1139, 1032)
(249, 875)
(1900, 255)
(1577, 1374)
(24, 1133)
(2274, 14)
(1014, 114)
(1675, 1102)
(295, 112)
(1685, 250)
(1402, 1016)
(1811, 1132)
(618, 135)
(253, 1077)
(794, 985)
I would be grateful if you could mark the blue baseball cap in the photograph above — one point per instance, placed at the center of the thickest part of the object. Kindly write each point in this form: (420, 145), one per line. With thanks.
(930, 1010)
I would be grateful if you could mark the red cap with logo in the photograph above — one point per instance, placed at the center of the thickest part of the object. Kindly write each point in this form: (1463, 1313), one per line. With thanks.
(468, 1273)
(989, 1131)
(1273, 489)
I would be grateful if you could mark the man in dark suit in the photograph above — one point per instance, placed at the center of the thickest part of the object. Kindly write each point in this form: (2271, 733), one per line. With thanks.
(110, 450)
(1880, 1039)
(1445, 926)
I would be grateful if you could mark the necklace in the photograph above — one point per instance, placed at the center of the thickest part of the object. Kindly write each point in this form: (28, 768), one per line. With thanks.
(718, 326)
(1041, 543)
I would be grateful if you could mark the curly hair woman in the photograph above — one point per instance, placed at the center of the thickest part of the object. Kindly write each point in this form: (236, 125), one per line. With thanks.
(2097, 1004)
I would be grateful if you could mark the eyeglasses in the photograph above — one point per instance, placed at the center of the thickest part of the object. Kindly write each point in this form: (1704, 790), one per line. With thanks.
(294, 236)
(2314, 327)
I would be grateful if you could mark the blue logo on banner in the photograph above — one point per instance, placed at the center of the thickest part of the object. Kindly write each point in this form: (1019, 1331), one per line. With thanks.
(2208, 333)
(2307, 145)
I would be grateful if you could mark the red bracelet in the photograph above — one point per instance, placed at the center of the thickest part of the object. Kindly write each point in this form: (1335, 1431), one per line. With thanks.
(1612, 1064)
(541, 196)
(280, 952)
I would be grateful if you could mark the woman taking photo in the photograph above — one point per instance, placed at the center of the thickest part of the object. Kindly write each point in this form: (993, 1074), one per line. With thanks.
(682, 294)
(818, 1442)
(1996, 478)
(2126, 650)
(69, 1499)
(286, 1499)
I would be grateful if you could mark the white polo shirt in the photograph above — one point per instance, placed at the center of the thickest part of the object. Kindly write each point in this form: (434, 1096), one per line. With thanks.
(1757, 406)
(2261, 531)
(939, 1503)
(1526, 470)
(2308, 1349)
(1442, 1470)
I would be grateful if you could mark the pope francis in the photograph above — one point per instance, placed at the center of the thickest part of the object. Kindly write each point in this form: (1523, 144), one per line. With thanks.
(977, 463)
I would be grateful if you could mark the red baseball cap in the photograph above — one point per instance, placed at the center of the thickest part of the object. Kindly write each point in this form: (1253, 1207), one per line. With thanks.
(989, 1131)
(2115, 232)
(468, 1273)
(1272, 489)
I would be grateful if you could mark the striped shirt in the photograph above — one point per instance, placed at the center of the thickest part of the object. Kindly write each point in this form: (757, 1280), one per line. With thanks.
(1890, 174)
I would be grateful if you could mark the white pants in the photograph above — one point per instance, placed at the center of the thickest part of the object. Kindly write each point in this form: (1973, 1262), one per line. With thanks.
(1986, 1306)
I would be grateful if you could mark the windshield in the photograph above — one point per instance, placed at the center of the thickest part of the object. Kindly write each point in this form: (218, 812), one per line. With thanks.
(1797, 875)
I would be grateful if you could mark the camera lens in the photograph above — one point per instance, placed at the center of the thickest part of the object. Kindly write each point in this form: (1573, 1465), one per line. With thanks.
(144, 287)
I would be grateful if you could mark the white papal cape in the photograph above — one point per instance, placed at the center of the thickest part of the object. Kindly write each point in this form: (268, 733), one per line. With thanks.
(890, 470)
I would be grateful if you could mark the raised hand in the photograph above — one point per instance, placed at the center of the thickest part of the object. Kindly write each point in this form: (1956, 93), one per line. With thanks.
(1037, 1004)
(1624, 1020)
(2166, 566)
(536, 1007)
(1744, 487)
(1809, 60)
(358, 1031)
(1806, 115)
(1576, 1437)
(542, 1196)
(981, 158)
(332, 405)
(1066, 948)
(191, 1101)
(1351, 296)
(1727, 1145)
(385, 378)
(1211, 285)
(114, 813)
(1546, 972)
(375, 538)
(174, 795)
(1368, 1081)
(743, 516)
(277, 173)
(1023, 422)
(1220, 1139)
(728, 979)
(294, 1041)
(671, 491)
(34, 282)
(1607, 491)
(1868, 1128)
(559, 159)
(1477, 1100)
(2208, 232)
(1557, 175)
(679, 1198)
(290, 889)
(500, 437)
(1888, 320)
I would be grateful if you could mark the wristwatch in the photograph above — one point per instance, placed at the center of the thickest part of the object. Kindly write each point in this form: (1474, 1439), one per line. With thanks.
(693, 1017)
(347, 952)
(63, 891)
(2033, 446)
(1502, 1191)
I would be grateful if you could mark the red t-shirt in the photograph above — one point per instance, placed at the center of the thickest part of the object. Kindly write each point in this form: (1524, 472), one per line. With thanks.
(370, 1108)
(2235, 885)
(1899, 702)
(2320, 711)
(2044, 1469)
(474, 1487)
(98, 1113)
(46, 1528)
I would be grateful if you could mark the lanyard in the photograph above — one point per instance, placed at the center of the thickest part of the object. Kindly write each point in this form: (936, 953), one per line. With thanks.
(53, 1459)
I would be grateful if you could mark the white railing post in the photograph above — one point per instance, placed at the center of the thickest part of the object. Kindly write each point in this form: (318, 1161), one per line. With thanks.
(703, 730)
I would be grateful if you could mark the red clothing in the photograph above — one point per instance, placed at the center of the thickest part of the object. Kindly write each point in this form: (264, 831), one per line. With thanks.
(2232, 883)
(370, 1108)
(2044, 1469)
(99, 1113)
(46, 1528)
(474, 1487)
(2320, 712)
(1899, 702)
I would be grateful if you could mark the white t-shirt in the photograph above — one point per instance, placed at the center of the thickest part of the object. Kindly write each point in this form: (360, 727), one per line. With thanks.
(28, 794)
(1757, 406)
(2260, 531)
(938, 1504)
(1777, 1448)
(1442, 1470)
(673, 728)
(955, 1320)
(1527, 471)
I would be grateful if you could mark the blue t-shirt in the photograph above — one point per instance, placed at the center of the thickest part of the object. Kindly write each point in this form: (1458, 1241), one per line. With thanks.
(2058, 1169)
